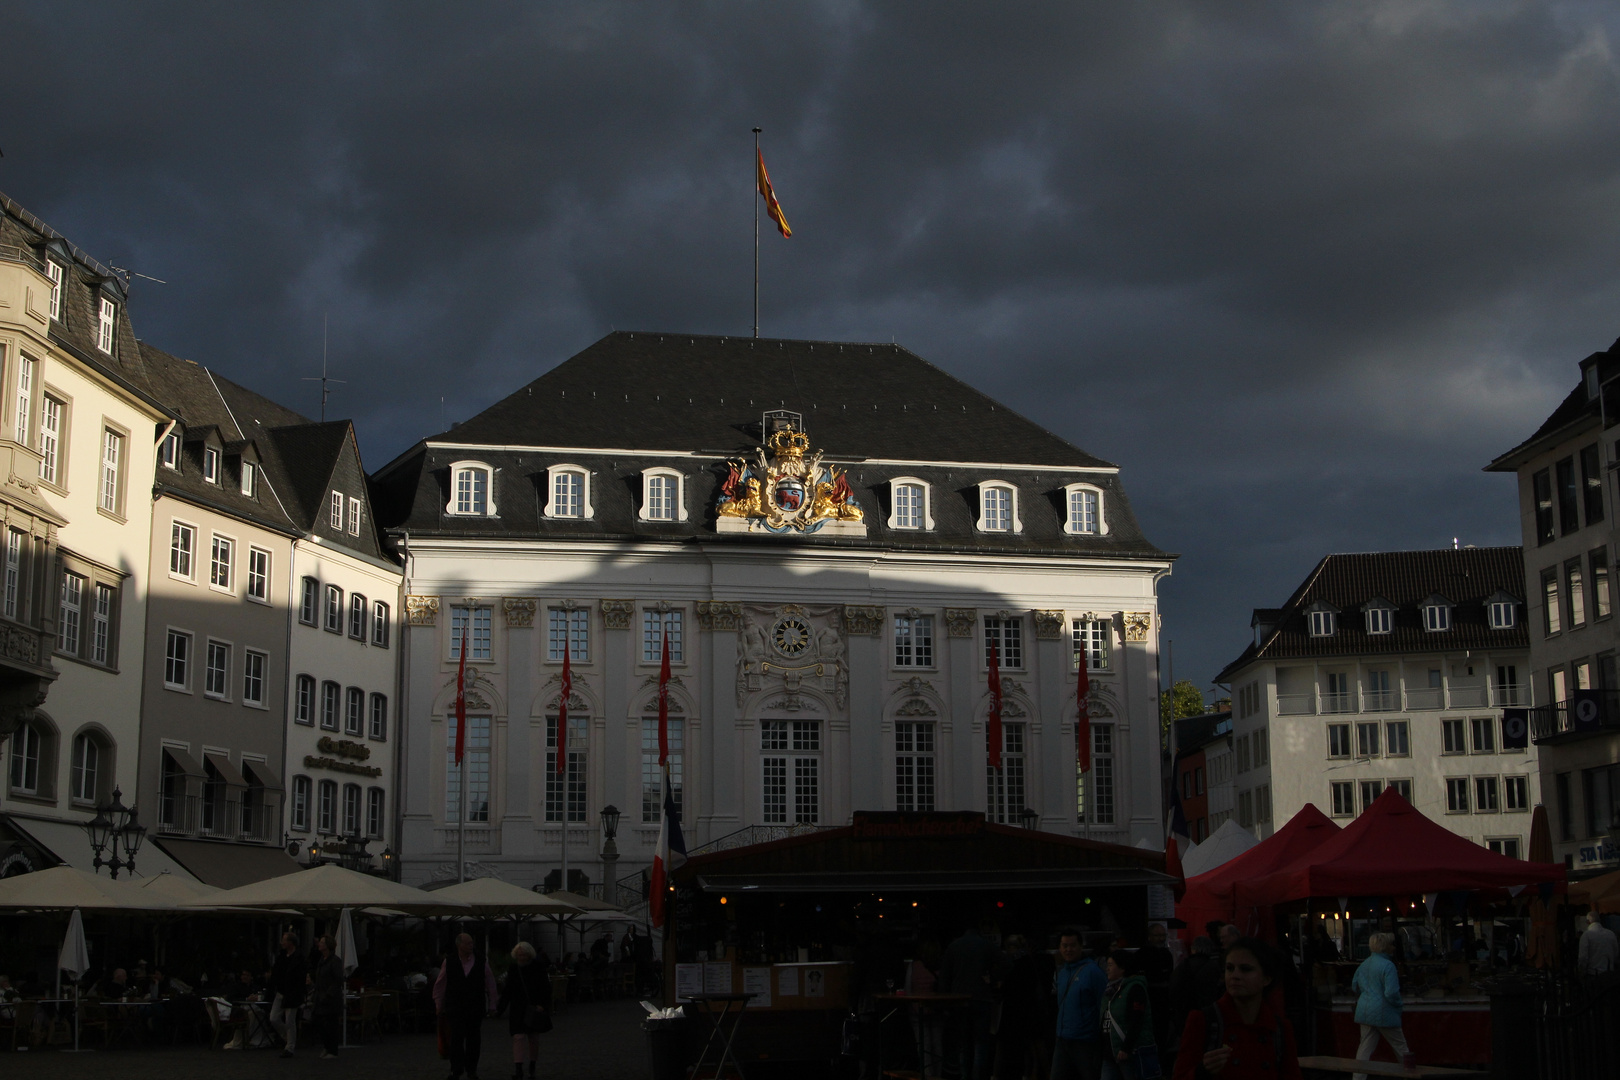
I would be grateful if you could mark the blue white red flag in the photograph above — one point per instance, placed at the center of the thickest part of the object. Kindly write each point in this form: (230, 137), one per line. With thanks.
(669, 856)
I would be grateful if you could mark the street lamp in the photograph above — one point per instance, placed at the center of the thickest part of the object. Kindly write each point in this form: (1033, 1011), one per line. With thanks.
(1030, 817)
(610, 850)
(115, 829)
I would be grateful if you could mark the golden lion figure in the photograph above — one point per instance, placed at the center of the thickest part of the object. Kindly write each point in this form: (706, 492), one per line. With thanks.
(751, 504)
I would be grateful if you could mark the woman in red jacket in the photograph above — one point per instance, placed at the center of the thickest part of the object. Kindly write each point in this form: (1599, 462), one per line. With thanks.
(1240, 1037)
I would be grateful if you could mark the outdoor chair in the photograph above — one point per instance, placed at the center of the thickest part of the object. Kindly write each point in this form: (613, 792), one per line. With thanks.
(364, 1014)
(21, 1023)
(389, 1016)
(224, 1030)
(94, 1016)
(627, 980)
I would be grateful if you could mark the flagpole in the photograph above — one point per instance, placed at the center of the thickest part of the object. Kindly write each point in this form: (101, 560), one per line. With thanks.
(756, 231)
(461, 822)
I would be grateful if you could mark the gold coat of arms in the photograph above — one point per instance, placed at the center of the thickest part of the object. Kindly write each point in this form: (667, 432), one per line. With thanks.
(785, 488)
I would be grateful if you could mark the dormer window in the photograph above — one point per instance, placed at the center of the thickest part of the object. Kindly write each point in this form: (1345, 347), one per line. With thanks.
(662, 497)
(998, 507)
(1323, 622)
(1504, 613)
(169, 451)
(1436, 615)
(250, 474)
(1379, 620)
(570, 488)
(210, 465)
(53, 270)
(910, 500)
(472, 490)
(1085, 511)
(107, 315)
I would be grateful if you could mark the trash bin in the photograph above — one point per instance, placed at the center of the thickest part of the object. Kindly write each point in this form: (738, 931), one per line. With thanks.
(666, 1046)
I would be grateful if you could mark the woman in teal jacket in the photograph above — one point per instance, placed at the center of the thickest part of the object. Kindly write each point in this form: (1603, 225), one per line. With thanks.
(1378, 1004)
(1128, 1018)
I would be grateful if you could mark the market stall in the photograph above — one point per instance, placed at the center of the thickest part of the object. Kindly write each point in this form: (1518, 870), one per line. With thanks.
(1210, 895)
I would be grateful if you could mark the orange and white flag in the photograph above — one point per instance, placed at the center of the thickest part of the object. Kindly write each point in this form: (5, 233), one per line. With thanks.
(772, 207)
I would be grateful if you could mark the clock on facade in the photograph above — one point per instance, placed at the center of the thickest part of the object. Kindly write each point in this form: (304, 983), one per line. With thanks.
(791, 636)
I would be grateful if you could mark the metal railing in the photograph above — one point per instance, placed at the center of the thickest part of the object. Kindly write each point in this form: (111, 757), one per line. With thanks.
(1381, 701)
(1414, 699)
(1425, 699)
(756, 834)
(228, 817)
(1339, 703)
(1576, 1027)
(1563, 718)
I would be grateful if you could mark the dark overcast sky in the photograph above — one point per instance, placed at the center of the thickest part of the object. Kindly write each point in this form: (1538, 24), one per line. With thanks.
(1301, 269)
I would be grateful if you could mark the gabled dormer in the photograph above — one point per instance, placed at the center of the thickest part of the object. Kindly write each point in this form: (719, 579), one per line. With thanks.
(1322, 619)
(1502, 610)
(1378, 616)
(243, 468)
(205, 449)
(1437, 611)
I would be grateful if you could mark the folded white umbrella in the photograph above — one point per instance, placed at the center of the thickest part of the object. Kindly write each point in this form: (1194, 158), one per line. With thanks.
(75, 956)
(347, 951)
(328, 889)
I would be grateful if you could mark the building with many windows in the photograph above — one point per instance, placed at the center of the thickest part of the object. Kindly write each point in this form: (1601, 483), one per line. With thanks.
(1394, 669)
(834, 541)
(1566, 491)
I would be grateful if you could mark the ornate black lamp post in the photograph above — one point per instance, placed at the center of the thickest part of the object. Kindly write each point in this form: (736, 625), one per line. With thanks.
(1030, 817)
(115, 829)
(610, 850)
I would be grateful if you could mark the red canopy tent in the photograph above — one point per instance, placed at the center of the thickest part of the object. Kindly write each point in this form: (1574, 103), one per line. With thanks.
(1211, 896)
(1392, 849)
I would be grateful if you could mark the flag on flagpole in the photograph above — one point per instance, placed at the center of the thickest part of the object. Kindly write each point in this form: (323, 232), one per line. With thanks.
(772, 207)
(461, 699)
(663, 704)
(668, 857)
(562, 708)
(1082, 719)
(993, 728)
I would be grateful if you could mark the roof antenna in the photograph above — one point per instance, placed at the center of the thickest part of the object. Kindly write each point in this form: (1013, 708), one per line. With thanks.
(1454, 543)
(323, 380)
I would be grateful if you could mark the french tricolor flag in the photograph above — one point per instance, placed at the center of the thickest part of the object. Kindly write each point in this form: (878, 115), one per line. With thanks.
(670, 855)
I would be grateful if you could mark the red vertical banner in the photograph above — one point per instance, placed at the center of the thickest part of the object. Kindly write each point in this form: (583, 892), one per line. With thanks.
(993, 728)
(663, 701)
(562, 705)
(461, 699)
(1082, 717)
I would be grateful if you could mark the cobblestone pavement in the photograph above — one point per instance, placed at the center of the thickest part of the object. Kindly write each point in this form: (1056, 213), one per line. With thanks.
(591, 1041)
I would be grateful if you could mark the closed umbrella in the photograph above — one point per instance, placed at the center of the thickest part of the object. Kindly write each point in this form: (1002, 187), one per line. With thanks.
(75, 960)
(1542, 948)
(348, 955)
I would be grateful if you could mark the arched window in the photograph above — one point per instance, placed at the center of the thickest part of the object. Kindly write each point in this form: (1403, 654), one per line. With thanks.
(27, 755)
(331, 696)
(351, 809)
(354, 713)
(909, 501)
(304, 700)
(88, 768)
(471, 490)
(998, 508)
(1085, 511)
(569, 487)
(661, 496)
(326, 808)
(379, 718)
(376, 802)
(299, 818)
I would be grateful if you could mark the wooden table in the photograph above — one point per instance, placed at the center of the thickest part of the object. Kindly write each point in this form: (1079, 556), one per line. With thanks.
(1324, 1063)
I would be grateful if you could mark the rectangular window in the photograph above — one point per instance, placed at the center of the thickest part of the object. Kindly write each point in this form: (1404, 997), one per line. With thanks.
(25, 398)
(379, 718)
(104, 326)
(1396, 743)
(569, 789)
(258, 581)
(177, 660)
(1485, 795)
(1091, 638)
(1453, 737)
(476, 763)
(1551, 621)
(1592, 484)
(210, 465)
(1367, 740)
(1343, 797)
(334, 609)
(1516, 791)
(1575, 594)
(802, 769)
(1602, 597)
(1507, 684)
(50, 439)
(1370, 790)
(304, 700)
(379, 624)
(182, 545)
(1457, 795)
(1100, 786)
(13, 596)
(354, 712)
(1262, 746)
(908, 506)
(1322, 624)
(1378, 620)
(1541, 486)
(569, 628)
(220, 572)
(773, 790)
(335, 516)
(300, 804)
(1402, 788)
(1569, 507)
(309, 605)
(358, 612)
(326, 808)
(913, 641)
(1484, 734)
(249, 475)
(68, 623)
(568, 495)
(1338, 742)
(652, 777)
(218, 672)
(914, 766)
(169, 451)
(331, 702)
(101, 624)
(112, 455)
(654, 625)
(1504, 845)
(253, 677)
(1006, 638)
(474, 623)
(53, 270)
(354, 516)
(1566, 807)
(376, 800)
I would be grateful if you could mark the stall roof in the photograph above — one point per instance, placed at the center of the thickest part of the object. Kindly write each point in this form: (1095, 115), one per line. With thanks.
(931, 852)
(1392, 849)
(1210, 895)
(227, 865)
(66, 840)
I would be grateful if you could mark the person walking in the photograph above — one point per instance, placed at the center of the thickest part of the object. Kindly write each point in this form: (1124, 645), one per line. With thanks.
(527, 993)
(463, 994)
(1127, 1011)
(327, 995)
(1378, 1002)
(1599, 953)
(1025, 1017)
(972, 966)
(287, 977)
(1079, 986)
(1240, 1037)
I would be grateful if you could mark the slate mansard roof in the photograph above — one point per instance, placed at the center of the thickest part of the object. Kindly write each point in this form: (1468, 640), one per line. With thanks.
(1579, 410)
(1468, 579)
(634, 401)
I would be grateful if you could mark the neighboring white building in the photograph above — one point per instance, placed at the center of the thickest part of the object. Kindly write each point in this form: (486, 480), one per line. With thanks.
(1390, 670)
(831, 577)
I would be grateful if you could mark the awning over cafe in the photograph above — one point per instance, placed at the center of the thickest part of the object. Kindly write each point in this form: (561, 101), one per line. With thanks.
(65, 841)
(227, 865)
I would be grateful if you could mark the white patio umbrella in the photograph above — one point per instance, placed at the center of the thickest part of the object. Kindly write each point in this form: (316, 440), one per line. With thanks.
(75, 960)
(493, 898)
(330, 889)
(63, 888)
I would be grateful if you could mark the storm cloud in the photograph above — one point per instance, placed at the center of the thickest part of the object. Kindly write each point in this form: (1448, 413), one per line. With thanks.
(1301, 269)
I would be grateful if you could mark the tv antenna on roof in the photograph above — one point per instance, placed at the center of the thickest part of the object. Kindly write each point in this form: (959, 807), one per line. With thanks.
(324, 380)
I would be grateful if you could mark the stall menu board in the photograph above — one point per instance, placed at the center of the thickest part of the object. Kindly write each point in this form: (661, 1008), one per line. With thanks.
(688, 981)
(757, 981)
(717, 977)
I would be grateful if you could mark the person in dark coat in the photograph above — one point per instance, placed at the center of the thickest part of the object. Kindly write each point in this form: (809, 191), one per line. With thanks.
(463, 994)
(1026, 1011)
(1198, 982)
(527, 994)
(326, 996)
(287, 978)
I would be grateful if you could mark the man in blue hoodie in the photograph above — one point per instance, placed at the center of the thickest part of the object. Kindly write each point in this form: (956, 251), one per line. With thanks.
(1079, 986)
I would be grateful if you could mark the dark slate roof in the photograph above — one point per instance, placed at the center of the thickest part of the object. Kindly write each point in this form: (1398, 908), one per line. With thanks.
(1468, 578)
(1577, 406)
(642, 394)
(1193, 733)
